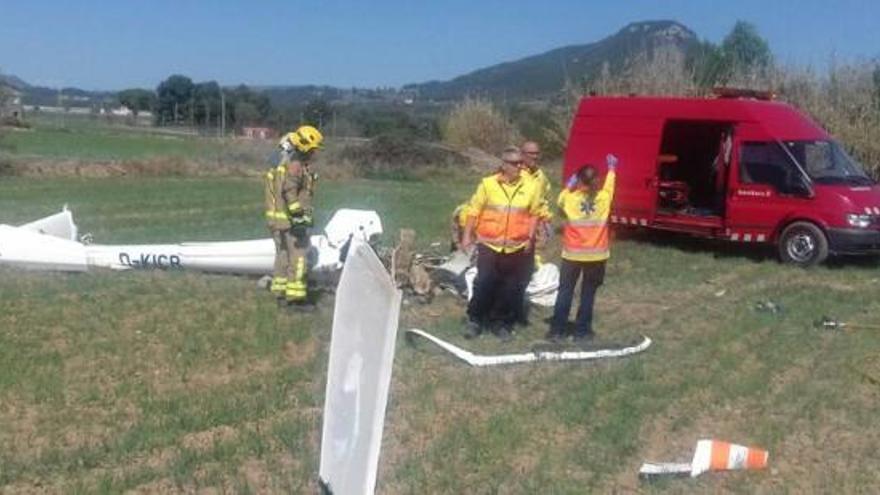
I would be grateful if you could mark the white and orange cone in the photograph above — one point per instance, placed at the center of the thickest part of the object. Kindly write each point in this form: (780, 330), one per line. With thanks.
(715, 455)
(710, 455)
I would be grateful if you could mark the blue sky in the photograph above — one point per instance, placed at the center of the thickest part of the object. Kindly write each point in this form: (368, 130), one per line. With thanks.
(105, 44)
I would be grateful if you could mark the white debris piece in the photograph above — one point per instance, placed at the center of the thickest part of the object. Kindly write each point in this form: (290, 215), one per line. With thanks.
(542, 288)
(358, 373)
(347, 223)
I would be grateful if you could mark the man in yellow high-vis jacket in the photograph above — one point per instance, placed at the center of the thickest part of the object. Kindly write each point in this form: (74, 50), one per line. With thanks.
(531, 169)
(503, 213)
(585, 249)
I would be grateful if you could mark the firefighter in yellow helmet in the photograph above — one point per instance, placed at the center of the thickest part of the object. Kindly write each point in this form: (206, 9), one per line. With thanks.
(289, 189)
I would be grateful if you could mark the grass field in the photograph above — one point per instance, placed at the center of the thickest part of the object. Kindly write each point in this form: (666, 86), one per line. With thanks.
(102, 144)
(173, 382)
(80, 138)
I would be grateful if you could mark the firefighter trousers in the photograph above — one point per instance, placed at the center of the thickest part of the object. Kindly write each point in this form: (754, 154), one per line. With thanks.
(282, 260)
(290, 273)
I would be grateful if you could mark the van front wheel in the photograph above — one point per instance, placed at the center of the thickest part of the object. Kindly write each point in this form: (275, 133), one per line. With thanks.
(803, 244)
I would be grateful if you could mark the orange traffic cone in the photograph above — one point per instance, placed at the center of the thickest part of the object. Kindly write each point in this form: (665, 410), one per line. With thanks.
(715, 455)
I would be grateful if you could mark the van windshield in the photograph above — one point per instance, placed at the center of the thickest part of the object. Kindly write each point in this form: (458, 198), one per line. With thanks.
(826, 162)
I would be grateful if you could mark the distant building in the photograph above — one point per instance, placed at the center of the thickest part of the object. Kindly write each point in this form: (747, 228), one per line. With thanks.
(10, 102)
(258, 133)
(122, 111)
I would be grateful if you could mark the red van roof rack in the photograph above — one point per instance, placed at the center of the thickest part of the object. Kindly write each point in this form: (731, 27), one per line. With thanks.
(724, 92)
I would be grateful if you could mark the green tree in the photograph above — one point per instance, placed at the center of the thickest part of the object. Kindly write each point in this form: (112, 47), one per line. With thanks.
(745, 50)
(174, 99)
(206, 98)
(317, 113)
(245, 113)
(248, 107)
(708, 64)
(137, 100)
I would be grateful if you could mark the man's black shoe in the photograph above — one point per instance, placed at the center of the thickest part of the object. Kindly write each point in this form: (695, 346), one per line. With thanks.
(504, 334)
(472, 330)
(584, 340)
(554, 336)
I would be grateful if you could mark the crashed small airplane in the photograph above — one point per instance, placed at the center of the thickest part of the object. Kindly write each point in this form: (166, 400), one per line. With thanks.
(53, 243)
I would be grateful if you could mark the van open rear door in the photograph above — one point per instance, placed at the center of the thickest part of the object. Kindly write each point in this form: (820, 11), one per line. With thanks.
(635, 141)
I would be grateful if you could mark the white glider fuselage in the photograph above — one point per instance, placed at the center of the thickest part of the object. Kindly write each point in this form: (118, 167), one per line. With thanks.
(51, 243)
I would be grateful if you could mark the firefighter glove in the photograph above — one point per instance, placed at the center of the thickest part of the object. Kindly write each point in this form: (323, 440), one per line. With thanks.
(301, 220)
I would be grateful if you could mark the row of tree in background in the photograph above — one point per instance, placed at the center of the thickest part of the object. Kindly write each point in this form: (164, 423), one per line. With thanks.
(846, 100)
(178, 101)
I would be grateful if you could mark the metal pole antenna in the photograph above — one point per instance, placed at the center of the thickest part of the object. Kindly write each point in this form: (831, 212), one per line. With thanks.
(222, 113)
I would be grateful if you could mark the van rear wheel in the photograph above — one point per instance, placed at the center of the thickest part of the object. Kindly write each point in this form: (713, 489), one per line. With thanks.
(803, 244)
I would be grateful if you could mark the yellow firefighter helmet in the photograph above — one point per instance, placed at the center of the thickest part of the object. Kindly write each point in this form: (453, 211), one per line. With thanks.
(306, 138)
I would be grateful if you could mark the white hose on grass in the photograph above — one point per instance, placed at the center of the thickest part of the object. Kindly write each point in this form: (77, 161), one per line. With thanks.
(530, 357)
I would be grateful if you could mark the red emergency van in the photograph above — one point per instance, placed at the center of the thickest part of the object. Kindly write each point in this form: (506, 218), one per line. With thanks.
(744, 169)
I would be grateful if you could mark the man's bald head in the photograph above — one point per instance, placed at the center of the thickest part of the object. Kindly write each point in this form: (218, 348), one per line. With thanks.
(531, 153)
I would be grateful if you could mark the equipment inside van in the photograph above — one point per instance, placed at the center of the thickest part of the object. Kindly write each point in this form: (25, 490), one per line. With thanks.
(739, 167)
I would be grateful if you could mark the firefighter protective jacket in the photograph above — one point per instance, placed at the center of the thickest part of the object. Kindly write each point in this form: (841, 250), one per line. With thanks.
(288, 191)
(585, 221)
(276, 216)
(504, 212)
(293, 193)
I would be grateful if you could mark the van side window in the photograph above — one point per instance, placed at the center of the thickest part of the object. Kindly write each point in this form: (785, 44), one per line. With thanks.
(768, 163)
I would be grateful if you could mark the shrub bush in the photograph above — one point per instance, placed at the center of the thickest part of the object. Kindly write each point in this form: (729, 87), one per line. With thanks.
(477, 123)
(392, 156)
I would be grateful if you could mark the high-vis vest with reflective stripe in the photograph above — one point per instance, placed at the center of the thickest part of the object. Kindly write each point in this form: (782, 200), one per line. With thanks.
(504, 212)
(276, 218)
(585, 224)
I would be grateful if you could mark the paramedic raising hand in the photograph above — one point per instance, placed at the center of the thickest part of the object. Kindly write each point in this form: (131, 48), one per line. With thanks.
(611, 161)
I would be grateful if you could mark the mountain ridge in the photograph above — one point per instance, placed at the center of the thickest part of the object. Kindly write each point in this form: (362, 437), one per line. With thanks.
(540, 75)
(548, 72)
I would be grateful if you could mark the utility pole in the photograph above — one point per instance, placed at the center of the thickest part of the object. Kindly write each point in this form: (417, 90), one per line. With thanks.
(222, 113)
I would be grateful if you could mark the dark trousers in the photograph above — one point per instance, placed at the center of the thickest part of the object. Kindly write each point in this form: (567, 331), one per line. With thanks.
(569, 272)
(496, 288)
(522, 310)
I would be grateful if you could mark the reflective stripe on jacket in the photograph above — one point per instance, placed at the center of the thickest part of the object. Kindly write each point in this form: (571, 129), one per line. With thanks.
(504, 212)
(585, 221)
(276, 219)
(294, 190)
